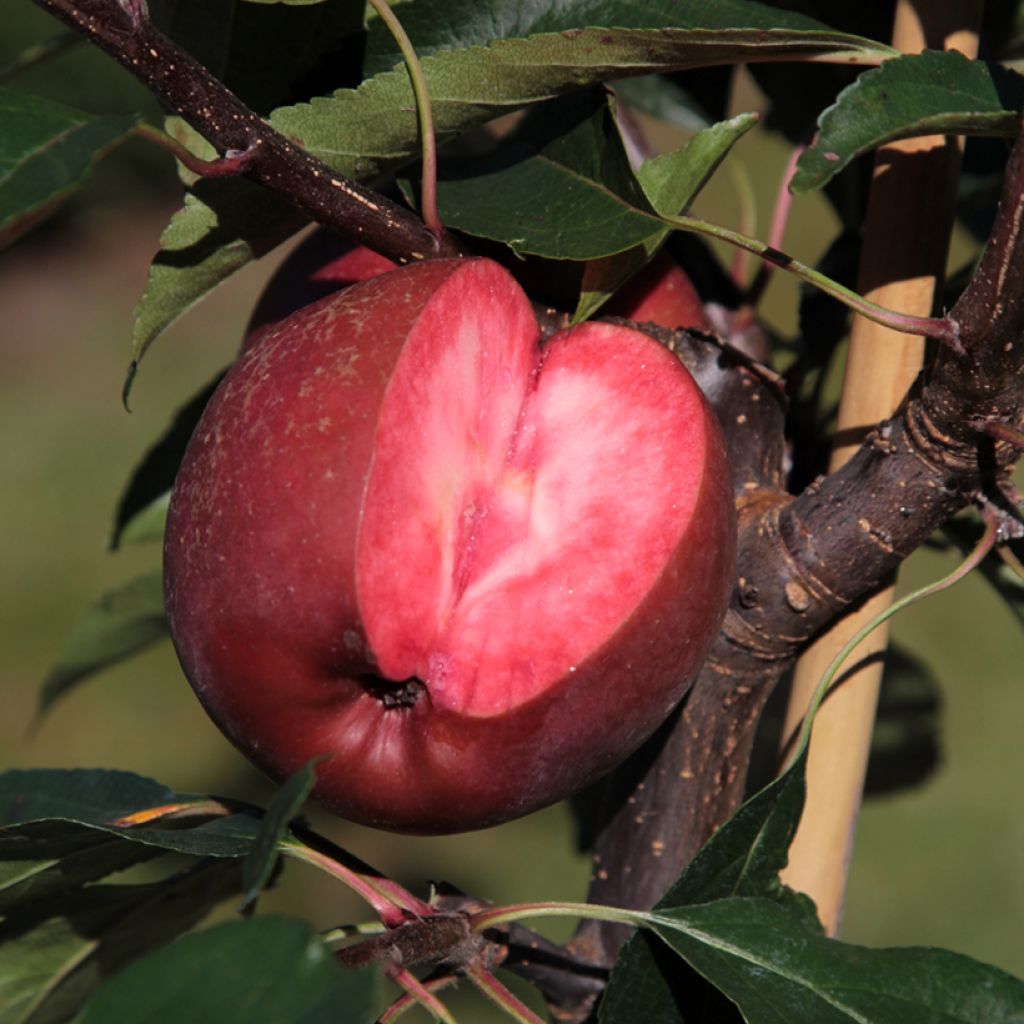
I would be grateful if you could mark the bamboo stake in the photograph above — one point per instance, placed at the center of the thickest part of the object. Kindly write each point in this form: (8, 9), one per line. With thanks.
(905, 244)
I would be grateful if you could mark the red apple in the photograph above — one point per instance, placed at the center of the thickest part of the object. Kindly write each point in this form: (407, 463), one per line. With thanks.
(321, 264)
(471, 572)
(661, 293)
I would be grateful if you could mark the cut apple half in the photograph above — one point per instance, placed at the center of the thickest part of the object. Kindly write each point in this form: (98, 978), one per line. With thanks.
(469, 570)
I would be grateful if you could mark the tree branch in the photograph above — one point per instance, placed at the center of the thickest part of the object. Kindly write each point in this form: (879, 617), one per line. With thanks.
(803, 561)
(122, 29)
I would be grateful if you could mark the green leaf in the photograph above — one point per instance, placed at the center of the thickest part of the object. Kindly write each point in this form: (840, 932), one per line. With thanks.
(41, 860)
(243, 43)
(223, 226)
(562, 187)
(56, 951)
(670, 182)
(142, 508)
(264, 971)
(148, 524)
(743, 858)
(132, 807)
(662, 98)
(372, 129)
(778, 971)
(483, 59)
(46, 150)
(122, 622)
(919, 94)
(259, 864)
(726, 28)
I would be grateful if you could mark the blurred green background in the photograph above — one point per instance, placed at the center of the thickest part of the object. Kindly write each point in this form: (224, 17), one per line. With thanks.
(938, 865)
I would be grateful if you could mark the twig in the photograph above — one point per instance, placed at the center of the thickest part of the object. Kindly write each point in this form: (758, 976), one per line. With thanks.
(182, 83)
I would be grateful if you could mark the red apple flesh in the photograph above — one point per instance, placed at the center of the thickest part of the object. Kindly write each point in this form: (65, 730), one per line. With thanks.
(471, 571)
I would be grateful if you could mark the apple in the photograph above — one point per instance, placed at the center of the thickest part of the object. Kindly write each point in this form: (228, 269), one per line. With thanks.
(661, 293)
(469, 571)
(321, 264)
(324, 262)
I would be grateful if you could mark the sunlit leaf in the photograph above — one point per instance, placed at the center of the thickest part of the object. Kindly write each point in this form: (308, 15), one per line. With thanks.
(918, 94)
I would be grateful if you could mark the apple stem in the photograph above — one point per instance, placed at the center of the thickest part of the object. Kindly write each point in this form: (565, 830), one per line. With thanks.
(391, 902)
(971, 562)
(234, 161)
(417, 992)
(428, 143)
(408, 1001)
(501, 996)
(943, 329)
(485, 919)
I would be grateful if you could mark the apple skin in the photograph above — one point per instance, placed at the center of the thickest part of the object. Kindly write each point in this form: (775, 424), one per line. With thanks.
(661, 293)
(266, 584)
(321, 264)
(324, 262)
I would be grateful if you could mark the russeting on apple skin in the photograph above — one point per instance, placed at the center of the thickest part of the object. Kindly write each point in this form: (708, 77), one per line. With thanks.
(469, 571)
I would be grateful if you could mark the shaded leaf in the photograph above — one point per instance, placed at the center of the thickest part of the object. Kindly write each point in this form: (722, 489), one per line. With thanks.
(147, 525)
(778, 971)
(224, 225)
(122, 622)
(918, 94)
(562, 187)
(142, 506)
(262, 858)
(122, 804)
(264, 970)
(372, 129)
(55, 952)
(664, 99)
(722, 27)
(46, 150)
(242, 44)
(670, 182)
(43, 859)
(743, 858)
(501, 57)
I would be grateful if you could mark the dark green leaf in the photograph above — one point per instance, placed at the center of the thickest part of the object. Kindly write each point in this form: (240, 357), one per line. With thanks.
(121, 804)
(779, 971)
(491, 68)
(142, 507)
(263, 971)
(723, 27)
(122, 622)
(919, 94)
(243, 43)
(499, 56)
(46, 150)
(664, 99)
(670, 183)
(743, 858)
(259, 864)
(43, 859)
(562, 187)
(54, 952)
